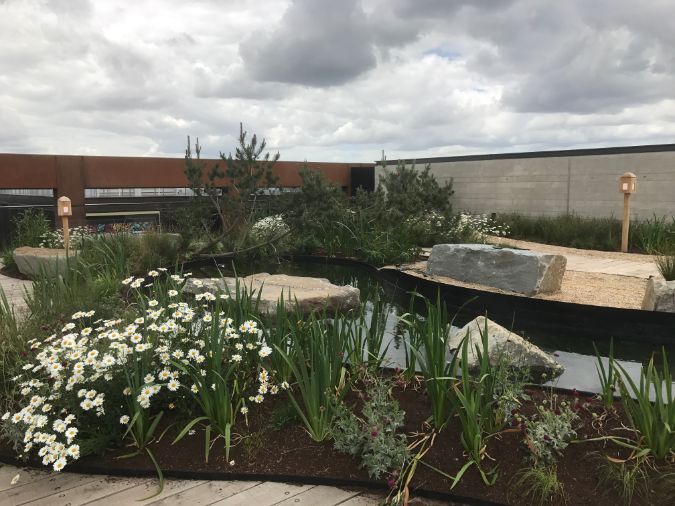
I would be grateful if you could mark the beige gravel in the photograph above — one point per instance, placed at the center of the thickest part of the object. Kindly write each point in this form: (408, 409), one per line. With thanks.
(561, 250)
(580, 287)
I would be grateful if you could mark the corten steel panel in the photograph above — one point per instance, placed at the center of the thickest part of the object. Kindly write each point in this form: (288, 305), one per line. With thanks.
(132, 172)
(70, 184)
(27, 171)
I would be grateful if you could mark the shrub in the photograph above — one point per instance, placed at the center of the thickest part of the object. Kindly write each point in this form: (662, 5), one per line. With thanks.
(373, 439)
(549, 431)
(412, 192)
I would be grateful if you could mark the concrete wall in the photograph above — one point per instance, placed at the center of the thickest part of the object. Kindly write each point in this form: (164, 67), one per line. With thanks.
(583, 182)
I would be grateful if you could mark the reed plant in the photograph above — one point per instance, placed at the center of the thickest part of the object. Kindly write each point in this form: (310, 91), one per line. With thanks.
(366, 336)
(476, 405)
(607, 376)
(650, 408)
(431, 336)
(316, 360)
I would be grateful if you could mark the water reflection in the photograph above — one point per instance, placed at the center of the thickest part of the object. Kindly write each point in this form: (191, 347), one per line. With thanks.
(577, 355)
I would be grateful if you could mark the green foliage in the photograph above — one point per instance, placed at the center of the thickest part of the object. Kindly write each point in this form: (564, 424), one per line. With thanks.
(429, 342)
(656, 235)
(410, 192)
(606, 376)
(54, 299)
(509, 391)
(313, 212)
(366, 336)
(537, 485)
(383, 227)
(650, 407)
(476, 399)
(549, 431)
(30, 226)
(7, 259)
(373, 438)
(666, 265)
(231, 192)
(283, 416)
(125, 254)
(629, 479)
(315, 358)
(566, 230)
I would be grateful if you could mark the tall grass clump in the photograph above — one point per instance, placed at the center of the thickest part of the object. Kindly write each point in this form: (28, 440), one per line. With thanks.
(316, 360)
(652, 236)
(566, 230)
(666, 266)
(607, 376)
(650, 408)
(476, 402)
(655, 235)
(30, 227)
(430, 338)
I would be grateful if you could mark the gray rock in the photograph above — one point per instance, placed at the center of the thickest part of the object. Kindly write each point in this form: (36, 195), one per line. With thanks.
(659, 296)
(310, 294)
(34, 262)
(505, 345)
(521, 271)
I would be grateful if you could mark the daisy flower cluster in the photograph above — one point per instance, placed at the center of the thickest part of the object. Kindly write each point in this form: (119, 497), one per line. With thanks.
(269, 227)
(174, 347)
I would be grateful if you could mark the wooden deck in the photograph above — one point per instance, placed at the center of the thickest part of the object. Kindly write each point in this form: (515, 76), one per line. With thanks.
(43, 488)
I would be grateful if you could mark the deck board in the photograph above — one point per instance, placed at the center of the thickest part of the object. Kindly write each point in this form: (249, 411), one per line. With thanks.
(264, 494)
(45, 488)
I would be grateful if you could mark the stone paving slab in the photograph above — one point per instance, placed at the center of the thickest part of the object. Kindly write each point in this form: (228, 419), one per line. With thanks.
(15, 290)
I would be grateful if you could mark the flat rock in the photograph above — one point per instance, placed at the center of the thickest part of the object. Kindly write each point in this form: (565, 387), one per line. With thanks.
(309, 294)
(34, 262)
(505, 345)
(659, 296)
(522, 271)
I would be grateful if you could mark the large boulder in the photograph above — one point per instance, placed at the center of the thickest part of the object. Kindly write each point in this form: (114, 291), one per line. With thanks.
(659, 295)
(504, 345)
(34, 262)
(521, 271)
(309, 294)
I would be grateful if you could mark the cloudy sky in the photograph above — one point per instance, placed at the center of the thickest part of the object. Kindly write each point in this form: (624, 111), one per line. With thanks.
(335, 79)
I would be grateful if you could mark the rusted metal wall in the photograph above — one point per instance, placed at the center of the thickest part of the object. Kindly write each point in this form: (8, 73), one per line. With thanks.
(71, 175)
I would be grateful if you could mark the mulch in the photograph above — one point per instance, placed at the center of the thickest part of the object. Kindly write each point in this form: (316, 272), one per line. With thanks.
(288, 452)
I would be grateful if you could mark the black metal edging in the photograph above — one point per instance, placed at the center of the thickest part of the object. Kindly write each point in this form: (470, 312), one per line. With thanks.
(551, 317)
(77, 467)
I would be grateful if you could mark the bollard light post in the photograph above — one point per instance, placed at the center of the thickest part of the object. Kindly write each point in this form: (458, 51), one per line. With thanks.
(64, 209)
(627, 186)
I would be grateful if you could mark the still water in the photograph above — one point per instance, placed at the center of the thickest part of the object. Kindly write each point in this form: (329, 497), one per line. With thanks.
(576, 354)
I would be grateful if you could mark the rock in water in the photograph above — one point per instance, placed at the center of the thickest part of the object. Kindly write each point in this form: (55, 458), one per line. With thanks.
(34, 262)
(505, 345)
(309, 294)
(659, 296)
(521, 271)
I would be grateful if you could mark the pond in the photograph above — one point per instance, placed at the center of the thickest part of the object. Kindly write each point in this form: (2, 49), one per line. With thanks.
(575, 353)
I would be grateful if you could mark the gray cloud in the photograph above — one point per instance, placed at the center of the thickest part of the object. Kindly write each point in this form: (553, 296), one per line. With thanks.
(335, 80)
(317, 43)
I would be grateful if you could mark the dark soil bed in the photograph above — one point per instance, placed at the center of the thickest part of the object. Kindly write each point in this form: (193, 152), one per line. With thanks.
(288, 452)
